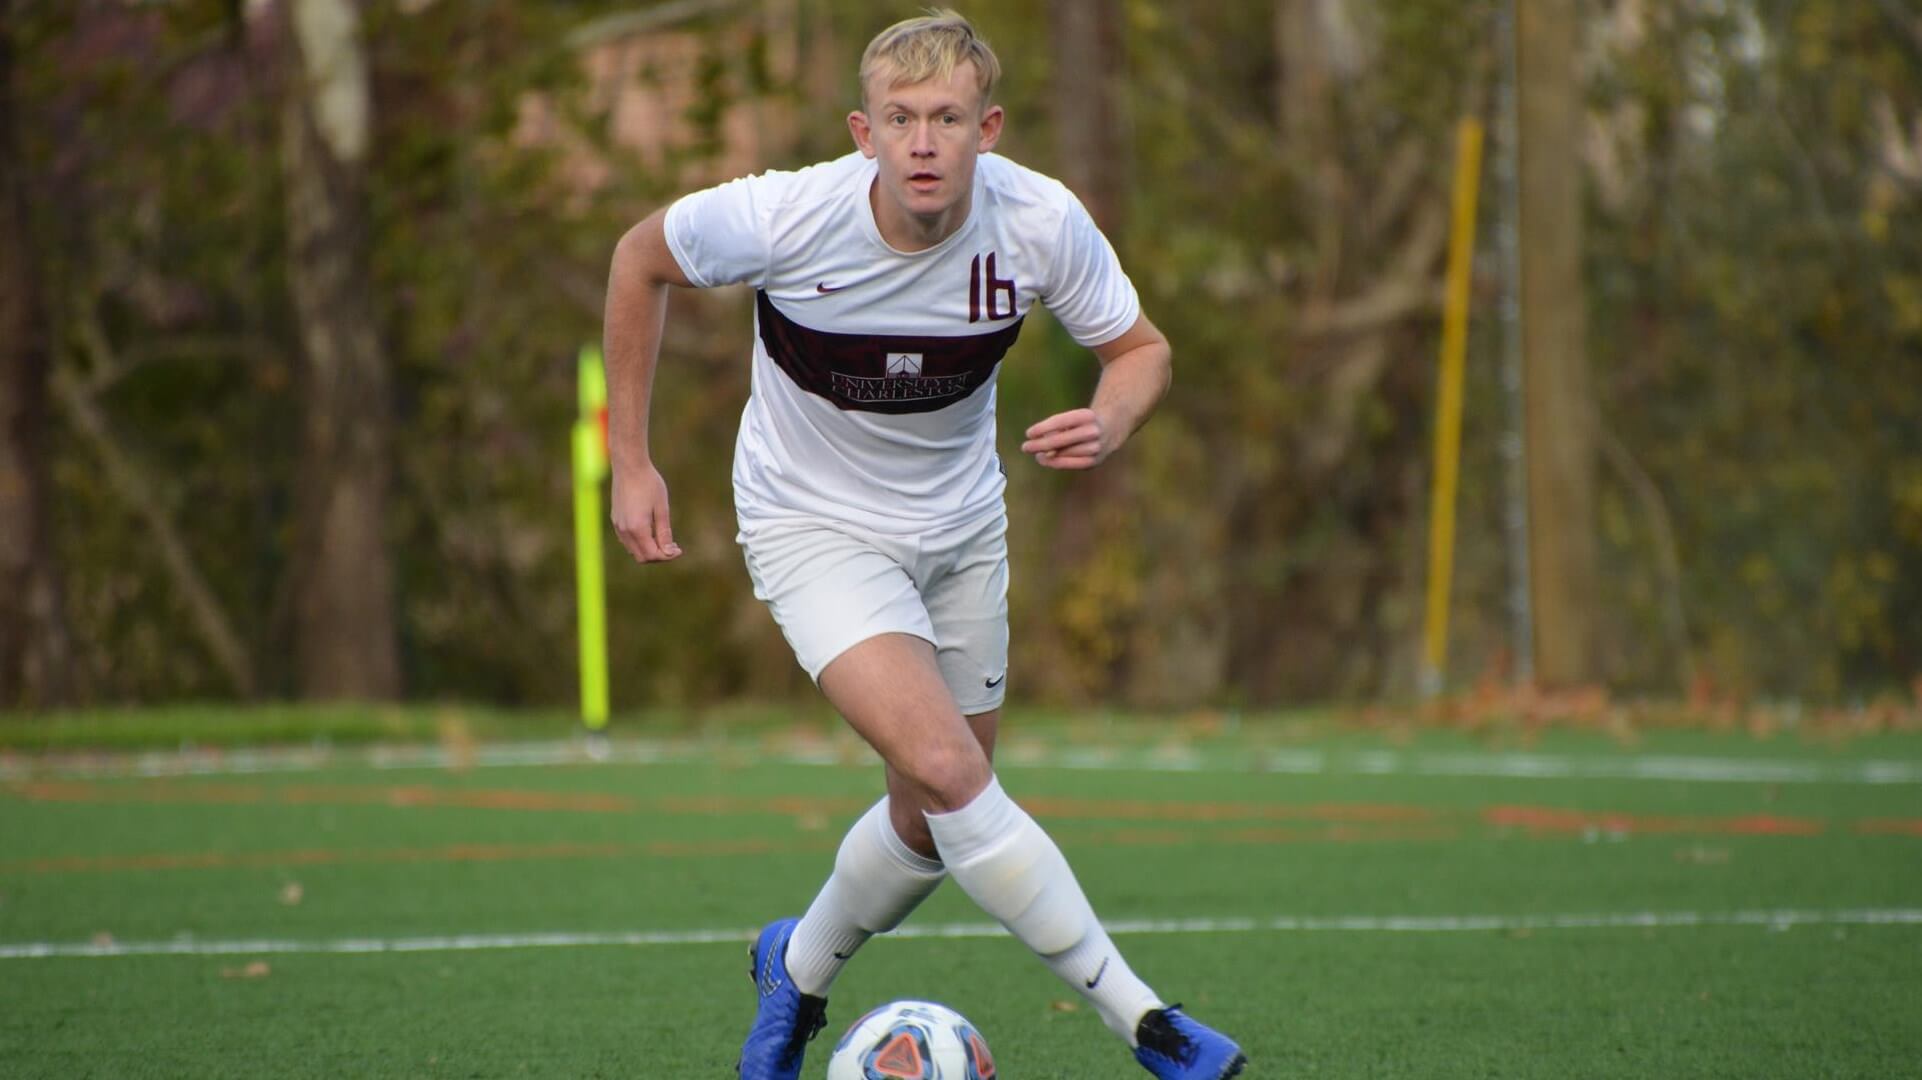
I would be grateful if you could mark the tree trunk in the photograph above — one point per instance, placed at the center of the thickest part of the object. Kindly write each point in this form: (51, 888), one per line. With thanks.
(343, 595)
(1090, 63)
(1090, 57)
(34, 654)
(1559, 440)
(1304, 91)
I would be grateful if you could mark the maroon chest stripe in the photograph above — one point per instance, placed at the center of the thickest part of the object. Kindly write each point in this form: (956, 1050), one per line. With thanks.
(853, 371)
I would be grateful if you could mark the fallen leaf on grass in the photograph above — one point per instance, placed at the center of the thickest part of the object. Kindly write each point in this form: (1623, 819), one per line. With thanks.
(1203, 722)
(291, 893)
(255, 970)
(1064, 1006)
(103, 939)
(456, 738)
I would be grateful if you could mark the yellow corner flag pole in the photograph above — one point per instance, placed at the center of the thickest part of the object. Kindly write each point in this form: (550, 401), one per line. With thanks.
(590, 469)
(1448, 406)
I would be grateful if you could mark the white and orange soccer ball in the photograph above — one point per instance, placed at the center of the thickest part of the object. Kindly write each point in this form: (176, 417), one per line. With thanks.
(912, 1040)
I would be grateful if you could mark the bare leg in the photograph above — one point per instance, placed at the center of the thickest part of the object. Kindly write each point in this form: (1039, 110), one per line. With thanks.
(890, 691)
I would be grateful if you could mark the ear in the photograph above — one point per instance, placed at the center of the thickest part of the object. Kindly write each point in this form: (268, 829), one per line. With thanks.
(863, 134)
(991, 128)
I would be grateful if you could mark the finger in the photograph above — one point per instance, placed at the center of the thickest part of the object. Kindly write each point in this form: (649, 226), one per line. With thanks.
(1059, 421)
(664, 535)
(1070, 449)
(650, 551)
(1069, 462)
(1061, 439)
(1078, 450)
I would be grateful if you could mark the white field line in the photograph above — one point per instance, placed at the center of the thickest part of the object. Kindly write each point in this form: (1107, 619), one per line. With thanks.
(1510, 766)
(1772, 919)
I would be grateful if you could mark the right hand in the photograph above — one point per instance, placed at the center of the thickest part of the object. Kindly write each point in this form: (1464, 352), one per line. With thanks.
(640, 515)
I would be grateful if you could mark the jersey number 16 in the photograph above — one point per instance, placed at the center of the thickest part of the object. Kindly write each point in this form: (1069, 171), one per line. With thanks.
(980, 283)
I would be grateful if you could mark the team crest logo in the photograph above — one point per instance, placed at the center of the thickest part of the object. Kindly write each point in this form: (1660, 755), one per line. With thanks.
(904, 365)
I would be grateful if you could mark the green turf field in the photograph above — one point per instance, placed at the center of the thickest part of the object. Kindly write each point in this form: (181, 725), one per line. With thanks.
(1347, 906)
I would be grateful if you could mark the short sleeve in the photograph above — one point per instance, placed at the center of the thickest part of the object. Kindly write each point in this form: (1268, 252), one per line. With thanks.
(719, 235)
(1087, 292)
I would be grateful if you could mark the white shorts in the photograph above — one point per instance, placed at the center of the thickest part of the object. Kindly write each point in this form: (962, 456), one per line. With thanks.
(832, 586)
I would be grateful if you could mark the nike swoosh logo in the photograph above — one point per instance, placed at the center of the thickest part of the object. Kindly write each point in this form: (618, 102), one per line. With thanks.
(1098, 973)
(824, 288)
(844, 956)
(992, 683)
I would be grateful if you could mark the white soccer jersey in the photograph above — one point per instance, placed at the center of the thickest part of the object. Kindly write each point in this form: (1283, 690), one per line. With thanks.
(874, 369)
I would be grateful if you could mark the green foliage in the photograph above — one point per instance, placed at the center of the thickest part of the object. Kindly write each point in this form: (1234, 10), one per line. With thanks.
(1752, 345)
(1754, 261)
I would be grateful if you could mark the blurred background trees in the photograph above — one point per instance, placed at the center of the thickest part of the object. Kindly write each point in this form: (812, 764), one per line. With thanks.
(290, 294)
(33, 660)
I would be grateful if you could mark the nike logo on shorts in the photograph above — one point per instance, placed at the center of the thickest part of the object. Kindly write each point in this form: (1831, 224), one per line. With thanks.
(825, 288)
(992, 683)
(1098, 973)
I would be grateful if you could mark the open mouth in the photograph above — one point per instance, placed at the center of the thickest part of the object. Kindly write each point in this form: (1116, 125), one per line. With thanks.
(922, 181)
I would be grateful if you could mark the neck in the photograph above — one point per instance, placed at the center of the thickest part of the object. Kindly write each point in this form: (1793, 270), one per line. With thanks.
(915, 232)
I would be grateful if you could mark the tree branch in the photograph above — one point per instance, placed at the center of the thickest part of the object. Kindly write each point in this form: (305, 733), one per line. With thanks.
(1667, 554)
(1389, 302)
(1407, 286)
(136, 488)
(612, 29)
(1398, 184)
(1907, 25)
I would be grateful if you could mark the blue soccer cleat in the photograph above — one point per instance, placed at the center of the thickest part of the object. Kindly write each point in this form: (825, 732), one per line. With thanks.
(784, 1018)
(1174, 1047)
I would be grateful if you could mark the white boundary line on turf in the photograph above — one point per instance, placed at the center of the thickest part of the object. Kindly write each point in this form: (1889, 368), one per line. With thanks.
(1772, 919)
(1469, 765)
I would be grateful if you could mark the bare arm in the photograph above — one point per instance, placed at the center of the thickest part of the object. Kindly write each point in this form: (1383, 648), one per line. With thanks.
(637, 284)
(1135, 371)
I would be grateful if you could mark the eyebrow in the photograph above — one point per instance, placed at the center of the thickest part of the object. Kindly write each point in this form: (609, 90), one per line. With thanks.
(945, 107)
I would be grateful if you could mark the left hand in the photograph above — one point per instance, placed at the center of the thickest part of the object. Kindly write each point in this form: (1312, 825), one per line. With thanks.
(1076, 439)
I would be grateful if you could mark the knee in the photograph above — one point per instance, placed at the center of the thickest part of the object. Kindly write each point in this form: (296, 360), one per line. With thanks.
(949, 776)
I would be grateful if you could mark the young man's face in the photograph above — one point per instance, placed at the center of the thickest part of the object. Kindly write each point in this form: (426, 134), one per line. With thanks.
(925, 137)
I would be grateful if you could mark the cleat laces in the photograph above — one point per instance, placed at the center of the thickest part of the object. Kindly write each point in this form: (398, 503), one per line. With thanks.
(809, 1019)
(1157, 1033)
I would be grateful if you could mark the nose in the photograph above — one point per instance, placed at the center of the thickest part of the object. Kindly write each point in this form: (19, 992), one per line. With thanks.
(922, 145)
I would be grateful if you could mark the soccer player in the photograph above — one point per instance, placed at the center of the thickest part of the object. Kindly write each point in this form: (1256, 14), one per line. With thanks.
(890, 283)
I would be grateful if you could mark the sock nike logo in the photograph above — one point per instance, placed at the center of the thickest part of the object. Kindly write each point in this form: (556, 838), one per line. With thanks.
(1098, 973)
(844, 956)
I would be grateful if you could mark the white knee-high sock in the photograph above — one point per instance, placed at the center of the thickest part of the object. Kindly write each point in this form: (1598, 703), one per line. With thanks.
(1014, 871)
(877, 880)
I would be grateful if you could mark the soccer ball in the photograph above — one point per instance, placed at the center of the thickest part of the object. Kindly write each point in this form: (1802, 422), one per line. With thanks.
(912, 1040)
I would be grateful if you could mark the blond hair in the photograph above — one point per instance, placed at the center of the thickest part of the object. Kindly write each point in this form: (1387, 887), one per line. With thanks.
(929, 47)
